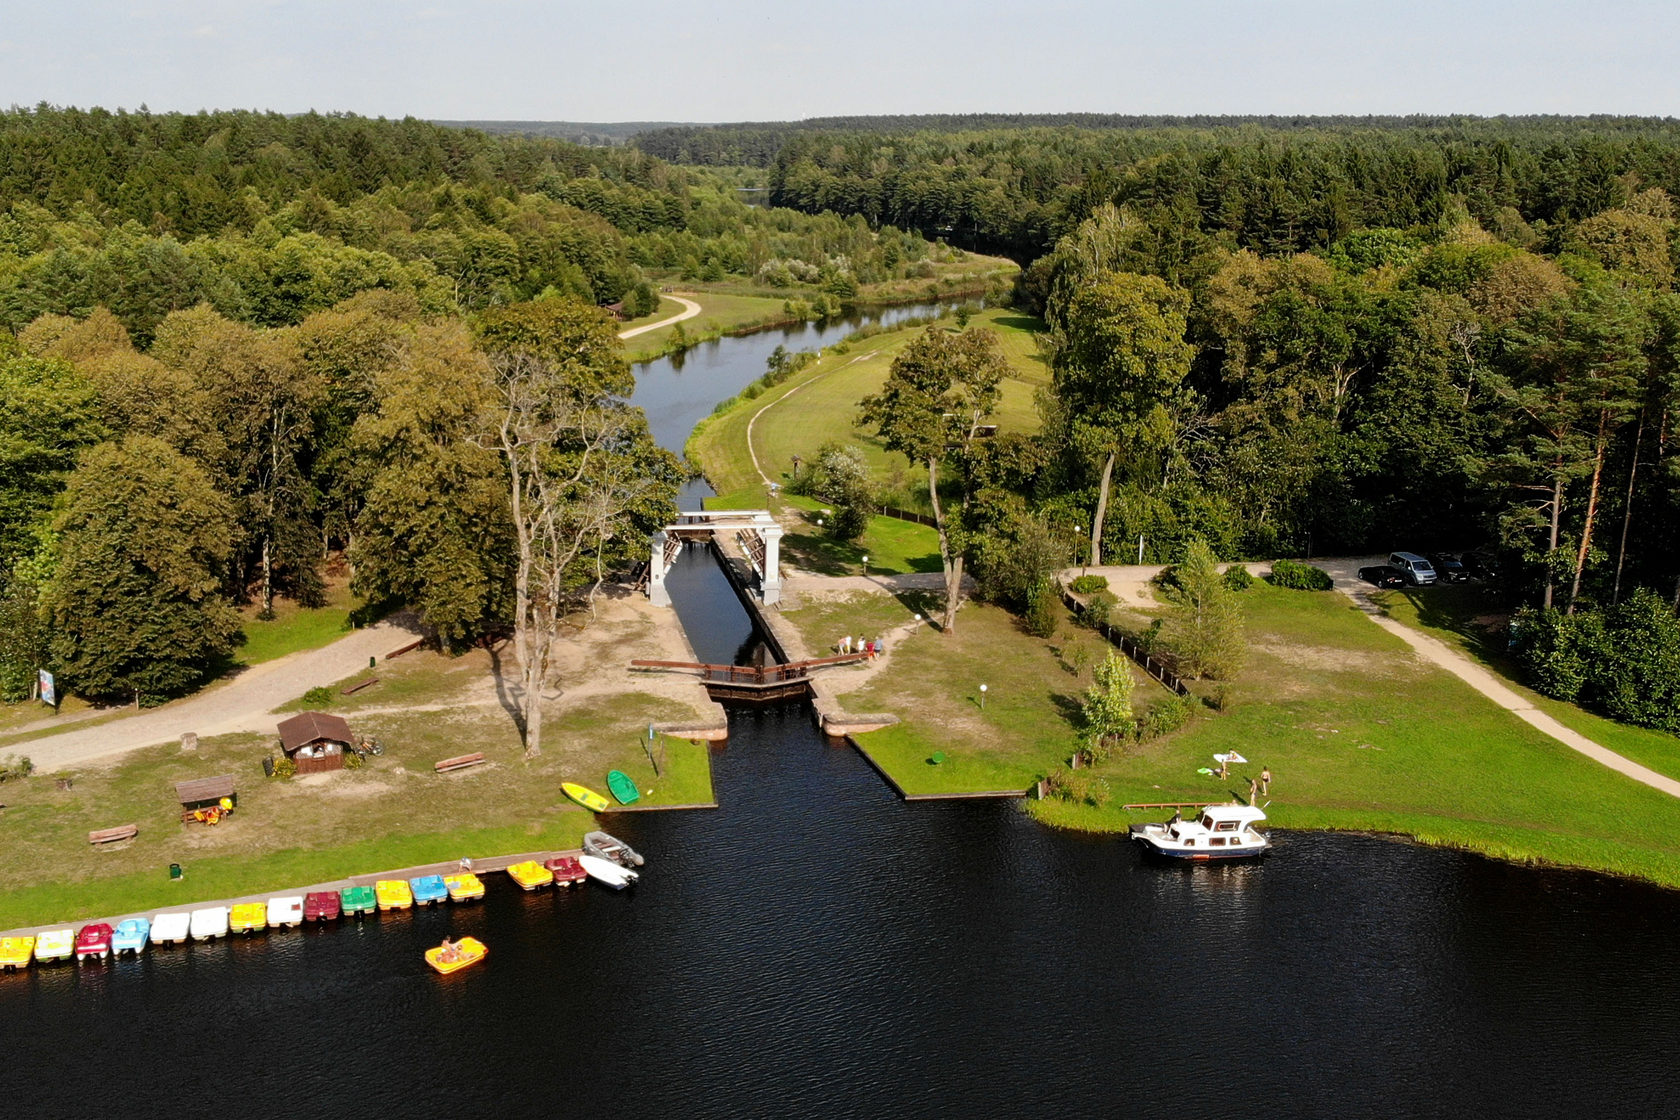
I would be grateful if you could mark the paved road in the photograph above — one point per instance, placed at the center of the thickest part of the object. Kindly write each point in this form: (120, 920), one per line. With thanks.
(243, 703)
(691, 309)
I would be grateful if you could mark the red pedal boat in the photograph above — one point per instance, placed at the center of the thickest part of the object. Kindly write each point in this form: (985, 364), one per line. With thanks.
(321, 906)
(568, 872)
(93, 941)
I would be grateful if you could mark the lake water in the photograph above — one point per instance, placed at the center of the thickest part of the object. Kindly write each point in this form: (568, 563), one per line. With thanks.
(817, 947)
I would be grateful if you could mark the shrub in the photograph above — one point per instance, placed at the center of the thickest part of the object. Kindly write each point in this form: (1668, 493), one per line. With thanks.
(1079, 785)
(14, 766)
(1238, 578)
(1040, 617)
(1300, 577)
(1166, 716)
(284, 768)
(1097, 608)
(320, 696)
(354, 761)
(1085, 585)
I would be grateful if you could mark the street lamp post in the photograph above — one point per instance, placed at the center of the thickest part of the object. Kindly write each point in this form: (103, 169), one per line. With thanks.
(866, 565)
(982, 698)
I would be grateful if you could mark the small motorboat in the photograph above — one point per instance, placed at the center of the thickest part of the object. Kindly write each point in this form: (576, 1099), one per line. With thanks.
(611, 847)
(1217, 832)
(358, 900)
(428, 889)
(567, 871)
(453, 957)
(608, 873)
(394, 894)
(322, 906)
(16, 953)
(172, 929)
(93, 940)
(285, 910)
(586, 797)
(464, 887)
(209, 923)
(530, 875)
(55, 944)
(622, 787)
(130, 936)
(248, 917)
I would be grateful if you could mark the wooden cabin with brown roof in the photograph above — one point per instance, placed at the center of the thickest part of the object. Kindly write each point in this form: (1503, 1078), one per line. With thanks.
(315, 741)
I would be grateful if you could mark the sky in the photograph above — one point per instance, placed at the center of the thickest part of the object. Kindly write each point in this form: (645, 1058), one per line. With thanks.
(650, 60)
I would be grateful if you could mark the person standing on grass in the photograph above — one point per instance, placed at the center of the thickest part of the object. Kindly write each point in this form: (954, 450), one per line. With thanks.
(1253, 790)
(1265, 780)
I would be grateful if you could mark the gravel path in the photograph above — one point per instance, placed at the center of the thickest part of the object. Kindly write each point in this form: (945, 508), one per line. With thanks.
(690, 310)
(243, 703)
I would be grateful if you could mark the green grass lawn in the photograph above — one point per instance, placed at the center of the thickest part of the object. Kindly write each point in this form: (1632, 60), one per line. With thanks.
(1359, 733)
(667, 308)
(721, 313)
(893, 546)
(393, 812)
(821, 404)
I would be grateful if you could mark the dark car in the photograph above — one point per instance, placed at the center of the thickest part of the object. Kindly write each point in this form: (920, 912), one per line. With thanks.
(1448, 567)
(1481, 565)
(1381, 575)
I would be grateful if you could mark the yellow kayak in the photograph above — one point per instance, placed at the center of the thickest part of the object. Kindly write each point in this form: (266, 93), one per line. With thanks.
(394, 894)
(247, 917)
(16, 952)
(464, 887)
(585, 796)
(530, 874)
(468, 950)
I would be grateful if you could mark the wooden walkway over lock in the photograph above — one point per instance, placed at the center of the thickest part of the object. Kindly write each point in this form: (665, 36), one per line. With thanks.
(756, 684)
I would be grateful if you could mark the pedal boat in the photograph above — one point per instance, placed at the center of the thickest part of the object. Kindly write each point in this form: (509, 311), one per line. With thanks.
(322, 906)
(394, 894)
(209, 923)
(130, 936)
(16, 953)
(358, 900)
(93, 940)
(608, 873)
(465, 887)
(55, 944)
(471, 951)
(248, 917)
(285, 910)
(567, 871)
(1217, 832)
(530, 875)
(428, 889)
(173, 928)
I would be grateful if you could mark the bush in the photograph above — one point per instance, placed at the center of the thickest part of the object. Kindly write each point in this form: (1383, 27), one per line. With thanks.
(354, 761)
(1624, 662)
(1300, 577)
(14, 766)
(319, 697)
(1085, 585)
(1238, 578)
(1040, 617)
(1097, 608)
(1166, 716)
(1079, 785)
(284, 768)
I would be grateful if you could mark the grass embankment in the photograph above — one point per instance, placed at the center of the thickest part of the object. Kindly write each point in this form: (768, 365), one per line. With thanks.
(1359, 733)
(721, 313)
(393, 812)
(1472, 619)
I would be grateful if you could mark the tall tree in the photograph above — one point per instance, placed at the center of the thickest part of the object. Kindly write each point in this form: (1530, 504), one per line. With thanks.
(135, 603)
(1106, 712)
(1119, 374)
(1207, 629)
(939, 390)
(585, 481)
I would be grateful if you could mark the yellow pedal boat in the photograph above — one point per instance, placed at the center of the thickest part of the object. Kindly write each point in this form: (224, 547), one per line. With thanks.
(468, 951)
(464, 887)
(16, 952)
(585, 796)
(530, 875)
(394, 894)
(248, 917)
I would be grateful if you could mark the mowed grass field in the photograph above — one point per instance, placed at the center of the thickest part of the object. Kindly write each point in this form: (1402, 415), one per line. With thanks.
(395, 811)
(1359, 733)
(721, 314)
(821, 404)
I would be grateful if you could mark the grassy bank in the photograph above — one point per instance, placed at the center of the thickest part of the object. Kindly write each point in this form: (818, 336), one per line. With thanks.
(395, 811)
(1359, 732)
(721, 313)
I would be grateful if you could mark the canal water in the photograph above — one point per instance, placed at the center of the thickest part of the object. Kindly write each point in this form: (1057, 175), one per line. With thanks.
(818, 947)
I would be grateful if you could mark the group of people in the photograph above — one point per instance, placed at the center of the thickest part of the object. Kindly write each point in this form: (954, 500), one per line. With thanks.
(872, 646)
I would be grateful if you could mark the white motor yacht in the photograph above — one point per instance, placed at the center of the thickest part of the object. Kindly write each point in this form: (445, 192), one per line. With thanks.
(1215, 832)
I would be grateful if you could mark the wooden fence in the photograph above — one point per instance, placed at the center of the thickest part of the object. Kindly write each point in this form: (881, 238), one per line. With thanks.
(1129, 646)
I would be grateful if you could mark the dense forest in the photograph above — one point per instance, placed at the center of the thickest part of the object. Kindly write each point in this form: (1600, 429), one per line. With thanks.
(1274, 337)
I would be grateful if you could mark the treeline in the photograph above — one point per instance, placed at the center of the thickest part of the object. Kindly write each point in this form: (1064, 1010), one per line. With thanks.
(146, 492)
(269, 219)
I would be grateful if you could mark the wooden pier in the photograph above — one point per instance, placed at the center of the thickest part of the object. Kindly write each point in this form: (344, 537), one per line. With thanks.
(755, 684)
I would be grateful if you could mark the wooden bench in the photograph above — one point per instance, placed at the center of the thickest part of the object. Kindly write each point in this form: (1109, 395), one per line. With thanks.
(358, 686)
(459, 762)
(112, 835)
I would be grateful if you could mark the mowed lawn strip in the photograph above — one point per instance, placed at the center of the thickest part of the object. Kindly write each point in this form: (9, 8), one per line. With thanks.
(393, 812)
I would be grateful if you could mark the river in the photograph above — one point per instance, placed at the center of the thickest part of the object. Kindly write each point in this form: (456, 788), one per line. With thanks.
(817, 947)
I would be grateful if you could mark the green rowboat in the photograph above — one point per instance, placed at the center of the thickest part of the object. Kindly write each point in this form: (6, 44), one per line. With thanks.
(622, 787)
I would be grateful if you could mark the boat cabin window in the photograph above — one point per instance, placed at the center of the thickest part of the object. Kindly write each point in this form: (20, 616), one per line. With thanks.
(1190, 843)
(1216, 841)
(1207, 823)
(1227, 826)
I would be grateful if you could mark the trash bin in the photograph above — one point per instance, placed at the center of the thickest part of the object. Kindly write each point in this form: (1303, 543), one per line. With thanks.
(175, 872)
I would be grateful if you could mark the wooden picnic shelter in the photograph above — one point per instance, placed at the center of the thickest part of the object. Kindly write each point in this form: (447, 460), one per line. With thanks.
(315, 741)
(202, 793)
